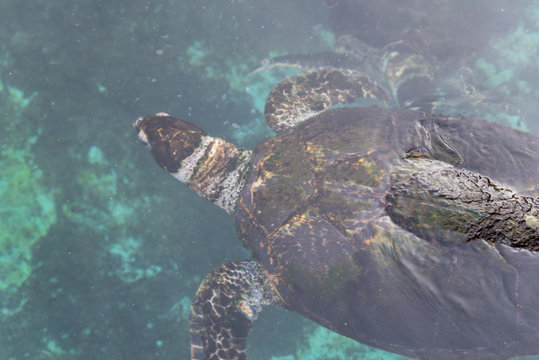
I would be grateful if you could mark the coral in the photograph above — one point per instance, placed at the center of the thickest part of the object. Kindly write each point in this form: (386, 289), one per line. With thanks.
(244, 83)
(131, 269)
(182, 309)
(241, 83)
(520, 47)
(27, 208)
(493, 75)
(324, 344)
(27, 212)
(102, 206)
(98, 206)
(509, 66)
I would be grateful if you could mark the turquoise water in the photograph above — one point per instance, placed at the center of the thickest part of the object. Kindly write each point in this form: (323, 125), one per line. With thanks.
(100, 250)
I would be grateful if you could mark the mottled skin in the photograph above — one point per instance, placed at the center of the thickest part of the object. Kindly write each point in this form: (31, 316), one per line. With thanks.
(226, 337)
(409, 231)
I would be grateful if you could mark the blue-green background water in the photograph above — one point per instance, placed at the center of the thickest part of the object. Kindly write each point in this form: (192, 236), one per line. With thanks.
(100, 250)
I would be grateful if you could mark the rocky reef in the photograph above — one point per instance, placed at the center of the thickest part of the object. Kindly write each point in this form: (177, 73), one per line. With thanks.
(100, 250)
(27, 203)
(323, 344)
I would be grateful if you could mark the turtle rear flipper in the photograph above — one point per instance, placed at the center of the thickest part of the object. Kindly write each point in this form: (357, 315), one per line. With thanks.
(435, 201)
(225, 306)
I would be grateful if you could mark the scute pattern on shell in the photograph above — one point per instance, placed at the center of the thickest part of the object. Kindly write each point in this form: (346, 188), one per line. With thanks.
(314, 213)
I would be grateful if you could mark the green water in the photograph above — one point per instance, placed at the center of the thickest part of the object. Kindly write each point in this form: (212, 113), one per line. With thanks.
(100, 250)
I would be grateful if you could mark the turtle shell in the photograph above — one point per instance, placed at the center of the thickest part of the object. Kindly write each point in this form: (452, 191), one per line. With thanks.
(313, 213)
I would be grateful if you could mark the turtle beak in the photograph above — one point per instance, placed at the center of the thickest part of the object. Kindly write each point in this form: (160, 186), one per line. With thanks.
(142, 136)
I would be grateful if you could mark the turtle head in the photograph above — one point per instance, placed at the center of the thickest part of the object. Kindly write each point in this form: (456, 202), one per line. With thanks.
(170, 140)
(212, 167)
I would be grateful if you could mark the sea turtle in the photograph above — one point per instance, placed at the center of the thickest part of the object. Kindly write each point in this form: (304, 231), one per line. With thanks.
(447, 28)
(422, 51)
(405, 230)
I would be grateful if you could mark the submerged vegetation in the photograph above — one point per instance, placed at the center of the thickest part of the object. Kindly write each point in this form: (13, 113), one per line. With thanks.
(100, 251)
(27, 204)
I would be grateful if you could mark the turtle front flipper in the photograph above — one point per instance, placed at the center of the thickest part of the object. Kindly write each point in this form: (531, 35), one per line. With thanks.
(300, 97)
(225, 305)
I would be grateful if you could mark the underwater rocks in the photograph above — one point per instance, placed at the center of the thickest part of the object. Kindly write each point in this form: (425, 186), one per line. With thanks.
(27, 205)
(322, 344)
